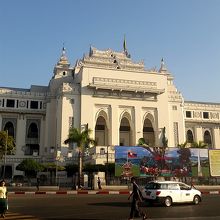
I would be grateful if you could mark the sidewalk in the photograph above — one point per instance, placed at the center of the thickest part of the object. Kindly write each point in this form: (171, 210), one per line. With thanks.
(45, 190)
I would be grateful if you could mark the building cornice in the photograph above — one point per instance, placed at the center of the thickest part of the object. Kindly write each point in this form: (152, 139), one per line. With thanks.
(125, 85)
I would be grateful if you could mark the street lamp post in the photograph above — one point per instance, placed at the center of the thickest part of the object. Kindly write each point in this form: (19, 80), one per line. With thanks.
(6, 147)
(58, 158)
(107, 166)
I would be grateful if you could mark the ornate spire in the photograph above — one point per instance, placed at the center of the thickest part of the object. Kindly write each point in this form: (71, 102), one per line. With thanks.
(63, 59)
(125, 48)
(163, 68)
(124, 45)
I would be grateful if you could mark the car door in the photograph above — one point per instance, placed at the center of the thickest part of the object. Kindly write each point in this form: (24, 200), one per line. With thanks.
(174, 192)
(149, 192)
(186, 193)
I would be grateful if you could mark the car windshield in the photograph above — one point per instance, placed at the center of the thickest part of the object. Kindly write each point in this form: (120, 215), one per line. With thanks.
(152, 185)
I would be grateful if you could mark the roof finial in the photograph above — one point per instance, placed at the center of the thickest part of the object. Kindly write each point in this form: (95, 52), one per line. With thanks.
(63, 58)
(125, 48)
(162, 66)
(124, 45)
(63, 50)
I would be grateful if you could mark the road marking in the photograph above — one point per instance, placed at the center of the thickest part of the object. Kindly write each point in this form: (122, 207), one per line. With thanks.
(20, 216)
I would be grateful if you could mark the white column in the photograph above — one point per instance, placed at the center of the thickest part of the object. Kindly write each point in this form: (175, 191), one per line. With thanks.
(42, 136)
(114, 121)
(198, 134)
(20, 135)
(138, 125)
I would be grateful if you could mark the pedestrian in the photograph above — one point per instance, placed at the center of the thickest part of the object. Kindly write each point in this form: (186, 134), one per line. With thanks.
(99, 183)
(38, 183)
(3, 199)
(136, 197)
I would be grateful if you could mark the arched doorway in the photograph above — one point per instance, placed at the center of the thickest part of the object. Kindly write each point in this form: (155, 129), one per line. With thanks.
(189, 136)
(101, 132)
(148, 133)
(125, 132)
(207, 138)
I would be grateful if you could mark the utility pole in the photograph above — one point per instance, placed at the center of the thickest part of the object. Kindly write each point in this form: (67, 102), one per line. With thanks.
(6, 148)
(107, 176)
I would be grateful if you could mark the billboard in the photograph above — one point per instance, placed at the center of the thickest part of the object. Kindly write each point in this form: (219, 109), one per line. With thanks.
(147, 162)
(214, 162)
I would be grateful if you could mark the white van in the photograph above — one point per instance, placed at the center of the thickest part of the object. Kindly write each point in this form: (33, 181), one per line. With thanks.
(168, 192)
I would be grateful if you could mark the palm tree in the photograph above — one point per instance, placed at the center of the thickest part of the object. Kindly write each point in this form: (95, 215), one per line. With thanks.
(82, 139)
(183, 145)
(200, 144)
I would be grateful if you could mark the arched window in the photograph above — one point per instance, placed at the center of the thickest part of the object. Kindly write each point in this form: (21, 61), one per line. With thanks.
(148, 133)
(125, 132)
(32, 131)
(207, 138)
(189, 136)
(101, 132)
(10, 128)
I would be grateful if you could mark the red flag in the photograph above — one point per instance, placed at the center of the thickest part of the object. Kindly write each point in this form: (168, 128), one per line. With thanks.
(132, 154)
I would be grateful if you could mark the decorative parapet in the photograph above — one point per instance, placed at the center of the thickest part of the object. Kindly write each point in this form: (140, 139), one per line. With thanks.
(21, 100)
(110, 59)
(125, 85)
(206, 106)
(20, 93)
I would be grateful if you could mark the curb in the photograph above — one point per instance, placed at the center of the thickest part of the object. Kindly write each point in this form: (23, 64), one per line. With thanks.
(87, 192)
(73, 192)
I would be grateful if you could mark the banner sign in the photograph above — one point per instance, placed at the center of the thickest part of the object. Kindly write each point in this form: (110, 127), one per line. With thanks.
(146, 161)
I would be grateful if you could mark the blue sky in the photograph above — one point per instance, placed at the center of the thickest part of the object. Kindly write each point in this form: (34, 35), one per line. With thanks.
(186, 33)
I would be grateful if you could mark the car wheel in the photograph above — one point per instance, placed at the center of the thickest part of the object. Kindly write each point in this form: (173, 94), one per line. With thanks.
(196, 200)
(168, 201)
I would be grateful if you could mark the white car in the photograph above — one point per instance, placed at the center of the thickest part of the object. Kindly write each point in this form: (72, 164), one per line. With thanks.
(168, 192)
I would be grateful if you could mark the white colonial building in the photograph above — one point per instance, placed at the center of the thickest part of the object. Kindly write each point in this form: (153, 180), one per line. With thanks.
(120, 100)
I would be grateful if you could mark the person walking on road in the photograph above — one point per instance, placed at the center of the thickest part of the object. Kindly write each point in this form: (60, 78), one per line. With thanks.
(99, 183)
(136, 198)
(38, 183)
(3, 199)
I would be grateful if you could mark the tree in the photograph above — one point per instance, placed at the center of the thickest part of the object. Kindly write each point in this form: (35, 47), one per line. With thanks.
(71, 169)
(82, 139)
(7, 144)
(90, 168)
(184, 145)
(52, 168)
(200, 144)
(141, 142)
(30, 167)
(157, 152)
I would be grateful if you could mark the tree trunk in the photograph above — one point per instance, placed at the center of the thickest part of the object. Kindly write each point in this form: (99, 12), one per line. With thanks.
(80, 182)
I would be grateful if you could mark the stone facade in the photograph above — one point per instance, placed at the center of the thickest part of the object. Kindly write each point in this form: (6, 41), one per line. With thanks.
(120, 100)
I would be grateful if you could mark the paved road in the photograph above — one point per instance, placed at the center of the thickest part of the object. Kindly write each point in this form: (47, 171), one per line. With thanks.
(105, 207)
